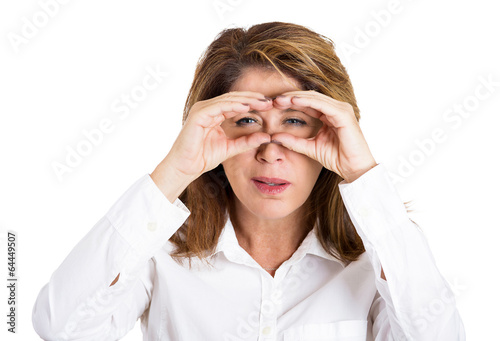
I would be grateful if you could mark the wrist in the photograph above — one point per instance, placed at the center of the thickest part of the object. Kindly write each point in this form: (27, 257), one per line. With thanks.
(353, 176)
(170, 181)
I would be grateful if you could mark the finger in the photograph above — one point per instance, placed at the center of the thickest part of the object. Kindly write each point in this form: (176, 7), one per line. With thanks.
(215, 113)
(246, 142)
(338, 116)
(251, 97)
(209, 116)
(249, 94)
(326, 121)
(286, 103)
(227, 103)
(312, 94)
(339, 113)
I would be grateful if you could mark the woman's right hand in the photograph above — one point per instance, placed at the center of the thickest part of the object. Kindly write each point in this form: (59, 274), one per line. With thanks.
(202, 144)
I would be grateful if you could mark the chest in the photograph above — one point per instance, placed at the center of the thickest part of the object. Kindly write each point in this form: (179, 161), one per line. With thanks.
(314, 299)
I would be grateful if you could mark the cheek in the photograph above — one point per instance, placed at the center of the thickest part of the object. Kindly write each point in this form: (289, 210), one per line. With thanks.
(233, 132)
(309, 170)
(305, 132)
(235, 166)
(298, 131)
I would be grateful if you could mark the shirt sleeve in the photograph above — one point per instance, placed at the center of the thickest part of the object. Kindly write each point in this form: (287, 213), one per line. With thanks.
(415, 302)
(78, 303)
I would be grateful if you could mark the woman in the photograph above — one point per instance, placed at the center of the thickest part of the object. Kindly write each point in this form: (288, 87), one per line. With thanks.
(268, 219)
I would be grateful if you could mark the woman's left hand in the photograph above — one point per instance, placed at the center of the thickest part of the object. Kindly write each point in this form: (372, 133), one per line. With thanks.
(339, 145)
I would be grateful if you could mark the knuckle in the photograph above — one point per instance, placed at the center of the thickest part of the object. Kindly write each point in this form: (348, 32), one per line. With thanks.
(346, 106)
(197, 106)
(229, 95)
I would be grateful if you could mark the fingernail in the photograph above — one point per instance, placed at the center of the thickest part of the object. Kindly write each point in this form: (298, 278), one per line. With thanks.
(246, 104)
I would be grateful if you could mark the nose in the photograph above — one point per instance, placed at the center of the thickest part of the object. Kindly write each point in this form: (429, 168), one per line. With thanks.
(270, 152)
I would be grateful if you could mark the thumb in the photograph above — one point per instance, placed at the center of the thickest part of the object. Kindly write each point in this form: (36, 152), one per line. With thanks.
(246, 142)
(297, 144)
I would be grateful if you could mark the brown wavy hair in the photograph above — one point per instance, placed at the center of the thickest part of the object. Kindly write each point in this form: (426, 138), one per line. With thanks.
(294, 51)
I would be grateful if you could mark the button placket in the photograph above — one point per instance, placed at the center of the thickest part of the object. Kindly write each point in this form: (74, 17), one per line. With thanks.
(269, 309)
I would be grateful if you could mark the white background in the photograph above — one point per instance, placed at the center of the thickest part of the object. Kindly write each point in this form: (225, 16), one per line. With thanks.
(410, 73)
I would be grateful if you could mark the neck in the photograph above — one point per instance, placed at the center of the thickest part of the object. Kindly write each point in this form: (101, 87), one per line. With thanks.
(269, 241)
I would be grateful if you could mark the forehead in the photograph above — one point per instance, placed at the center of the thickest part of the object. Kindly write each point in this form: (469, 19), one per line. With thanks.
(268, 82)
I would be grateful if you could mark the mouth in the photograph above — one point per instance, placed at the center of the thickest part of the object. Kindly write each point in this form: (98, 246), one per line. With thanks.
(270, 186)
(271, 181)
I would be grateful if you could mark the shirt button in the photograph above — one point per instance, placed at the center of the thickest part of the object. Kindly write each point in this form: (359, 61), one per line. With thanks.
(276, 295)
(152, 226)
(266, 331)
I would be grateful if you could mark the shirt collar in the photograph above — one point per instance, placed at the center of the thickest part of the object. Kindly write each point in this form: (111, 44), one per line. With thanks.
(228, 244)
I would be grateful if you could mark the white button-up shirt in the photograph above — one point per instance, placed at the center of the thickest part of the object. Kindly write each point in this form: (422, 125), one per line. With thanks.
(312, 296)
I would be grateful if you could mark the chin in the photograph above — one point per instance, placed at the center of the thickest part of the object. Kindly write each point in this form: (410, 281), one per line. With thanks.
(270, 208)
(273, 214)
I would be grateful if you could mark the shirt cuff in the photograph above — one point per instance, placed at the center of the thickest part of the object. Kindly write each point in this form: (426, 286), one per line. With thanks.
(145, 218)
(372, 200)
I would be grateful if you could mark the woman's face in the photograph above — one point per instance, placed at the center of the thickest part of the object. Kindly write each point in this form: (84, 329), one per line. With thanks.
(271, 181)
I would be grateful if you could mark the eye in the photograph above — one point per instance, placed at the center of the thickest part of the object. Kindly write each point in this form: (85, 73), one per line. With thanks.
(245, 121)
(296, 121)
